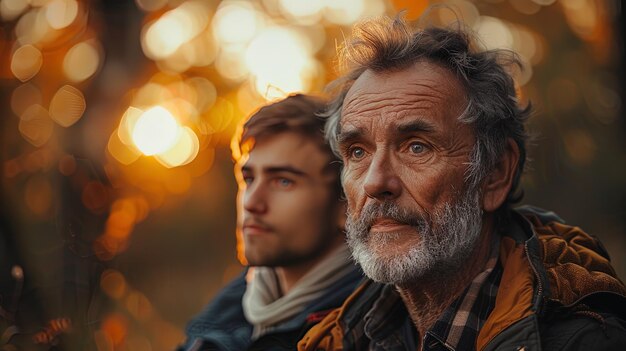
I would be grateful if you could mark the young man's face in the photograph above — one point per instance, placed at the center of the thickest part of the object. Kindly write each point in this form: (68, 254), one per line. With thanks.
(288, 210)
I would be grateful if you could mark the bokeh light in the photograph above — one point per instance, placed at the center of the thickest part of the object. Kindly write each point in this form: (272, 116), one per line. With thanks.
(231, 64)
(582, 16)
(11, 9)
(182, 152)
(81, 62)
(123, 153)
(344, 12)
(155, 131)
(176, 27)
(26, 62)
(159, 131)
(113, 283)
(151, 94)
(456, 10)
(127, 124)
(61, 13)
(205, 93)
(164, 36)
(527, 44)
(33, 27)
(248, 100)
(494, 33)
(280, 61)
(199, 52)
(309, 11)
(35, 125)
(217, 118)
(236, 22)
(121, 220)
(115, 327)
(67, 106)
(180, 61)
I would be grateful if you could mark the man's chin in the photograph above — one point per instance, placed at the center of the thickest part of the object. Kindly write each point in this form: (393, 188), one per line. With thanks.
(402, 268)
(388, 245)
(274, 260)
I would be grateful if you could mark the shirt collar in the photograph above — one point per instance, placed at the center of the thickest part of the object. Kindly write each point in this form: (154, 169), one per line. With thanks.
(458, 326)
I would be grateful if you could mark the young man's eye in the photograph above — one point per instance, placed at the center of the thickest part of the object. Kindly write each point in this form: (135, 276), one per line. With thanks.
(248, 180)
(284, 182)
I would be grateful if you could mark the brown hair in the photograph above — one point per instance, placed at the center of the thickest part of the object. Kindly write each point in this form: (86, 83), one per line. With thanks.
(296, 114)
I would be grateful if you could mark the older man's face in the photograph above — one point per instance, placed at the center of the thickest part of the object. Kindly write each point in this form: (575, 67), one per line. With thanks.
(405, 157)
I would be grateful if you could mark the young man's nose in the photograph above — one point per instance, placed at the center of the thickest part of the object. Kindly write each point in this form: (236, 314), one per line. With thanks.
(255, 198)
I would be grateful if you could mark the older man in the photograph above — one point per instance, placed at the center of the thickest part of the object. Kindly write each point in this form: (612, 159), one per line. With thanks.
(432, 140)
(291, 229)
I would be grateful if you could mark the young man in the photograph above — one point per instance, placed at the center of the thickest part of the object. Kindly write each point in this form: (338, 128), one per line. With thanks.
(290, 228)
(432, 140)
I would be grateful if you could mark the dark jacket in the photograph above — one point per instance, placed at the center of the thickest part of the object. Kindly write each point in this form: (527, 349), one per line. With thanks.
(558, 291)
(222, 325)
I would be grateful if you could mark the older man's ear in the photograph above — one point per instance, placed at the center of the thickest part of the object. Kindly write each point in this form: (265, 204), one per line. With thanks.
(497, 184)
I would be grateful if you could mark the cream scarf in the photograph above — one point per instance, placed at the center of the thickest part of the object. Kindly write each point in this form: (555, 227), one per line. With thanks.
(265, 308)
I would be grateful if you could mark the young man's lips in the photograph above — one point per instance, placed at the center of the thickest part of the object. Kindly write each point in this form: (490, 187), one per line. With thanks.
(254, 230)
(388, 225)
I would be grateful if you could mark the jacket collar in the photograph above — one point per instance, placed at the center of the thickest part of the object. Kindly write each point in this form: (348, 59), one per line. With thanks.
(547, 264)
(223, 322)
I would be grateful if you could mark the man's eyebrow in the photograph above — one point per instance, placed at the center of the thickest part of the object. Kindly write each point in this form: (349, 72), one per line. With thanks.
(350, 135)
(278, 169)
(415, 126)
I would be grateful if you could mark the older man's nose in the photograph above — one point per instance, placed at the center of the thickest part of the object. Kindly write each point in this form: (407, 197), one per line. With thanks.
(382, 182)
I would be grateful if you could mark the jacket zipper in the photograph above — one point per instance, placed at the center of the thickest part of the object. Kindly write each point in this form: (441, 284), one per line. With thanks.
(537, 276)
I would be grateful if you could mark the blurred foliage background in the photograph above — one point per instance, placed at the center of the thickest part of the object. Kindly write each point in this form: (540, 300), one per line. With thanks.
(117, 197)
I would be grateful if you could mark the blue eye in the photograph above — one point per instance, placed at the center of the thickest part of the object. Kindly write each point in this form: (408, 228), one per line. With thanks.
(284, 182)
(357, 152)
(248, 180)
(416, 148)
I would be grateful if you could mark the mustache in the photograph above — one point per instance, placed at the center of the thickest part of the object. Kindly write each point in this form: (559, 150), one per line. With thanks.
(252, 221)
(375, 211)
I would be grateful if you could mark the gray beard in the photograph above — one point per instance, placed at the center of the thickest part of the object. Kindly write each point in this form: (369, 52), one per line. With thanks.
(445, 240)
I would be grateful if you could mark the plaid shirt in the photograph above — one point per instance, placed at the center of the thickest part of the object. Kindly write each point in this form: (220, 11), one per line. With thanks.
(388, 326)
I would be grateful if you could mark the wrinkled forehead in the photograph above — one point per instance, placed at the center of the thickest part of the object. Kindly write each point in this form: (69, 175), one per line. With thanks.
(424, 91)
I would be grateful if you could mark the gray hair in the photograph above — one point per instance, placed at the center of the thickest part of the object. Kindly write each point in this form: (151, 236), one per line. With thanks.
(386, 44)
